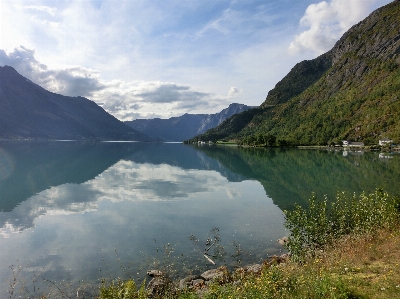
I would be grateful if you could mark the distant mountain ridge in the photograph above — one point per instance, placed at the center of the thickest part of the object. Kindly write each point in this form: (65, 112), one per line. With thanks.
(185, 126)
(28, 111)
(351, 92)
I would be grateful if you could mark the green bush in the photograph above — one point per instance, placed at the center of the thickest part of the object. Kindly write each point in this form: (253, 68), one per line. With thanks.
(120, 289)
(322, 222)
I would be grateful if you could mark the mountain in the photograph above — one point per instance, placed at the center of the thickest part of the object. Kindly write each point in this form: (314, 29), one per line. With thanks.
(185, 126)
(28, 111)
(351, 92)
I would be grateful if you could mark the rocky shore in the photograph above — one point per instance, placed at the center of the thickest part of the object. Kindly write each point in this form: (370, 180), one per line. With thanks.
(160, 281)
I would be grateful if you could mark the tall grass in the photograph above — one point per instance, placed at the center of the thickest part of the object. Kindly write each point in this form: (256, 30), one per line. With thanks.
(120, 289)
(321, 223)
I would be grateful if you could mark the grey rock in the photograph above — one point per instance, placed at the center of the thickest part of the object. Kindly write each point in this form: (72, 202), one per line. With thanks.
(211, 274)
(197, 283)
(283, 241)
(214, 273)
(156, 285)
(187, 281)
(155, 273)
(285, 256)
(256, 268)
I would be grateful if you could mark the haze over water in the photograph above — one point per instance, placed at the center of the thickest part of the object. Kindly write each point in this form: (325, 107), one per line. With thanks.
(73, 212)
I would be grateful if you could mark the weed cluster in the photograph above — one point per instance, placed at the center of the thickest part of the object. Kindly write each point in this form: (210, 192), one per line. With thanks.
(322, 223)
(121, 289)
(283, 282)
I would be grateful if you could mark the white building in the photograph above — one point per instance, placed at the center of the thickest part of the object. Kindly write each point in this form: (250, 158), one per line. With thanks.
(352, 144)
(385, 141)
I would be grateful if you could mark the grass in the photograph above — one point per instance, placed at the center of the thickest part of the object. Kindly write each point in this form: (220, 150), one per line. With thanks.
(323, 223)
(369, 264)
(220, 142)
(359, 266)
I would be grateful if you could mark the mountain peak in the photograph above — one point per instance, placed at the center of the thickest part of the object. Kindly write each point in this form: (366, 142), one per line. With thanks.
(8, 71)
(7, 68)
(28, 111)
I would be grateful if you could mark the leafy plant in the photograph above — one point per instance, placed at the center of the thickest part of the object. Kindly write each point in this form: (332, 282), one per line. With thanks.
(320, 223)
(121, 289)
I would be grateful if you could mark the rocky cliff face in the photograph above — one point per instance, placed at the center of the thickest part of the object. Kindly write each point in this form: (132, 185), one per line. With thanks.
(373, 43)
(27, 111)
(376, 37)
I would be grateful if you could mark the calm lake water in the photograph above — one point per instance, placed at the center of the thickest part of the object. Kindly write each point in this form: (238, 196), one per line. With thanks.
(72, 213)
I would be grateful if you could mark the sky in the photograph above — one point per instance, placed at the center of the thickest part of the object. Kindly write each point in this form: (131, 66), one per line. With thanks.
(164, 58)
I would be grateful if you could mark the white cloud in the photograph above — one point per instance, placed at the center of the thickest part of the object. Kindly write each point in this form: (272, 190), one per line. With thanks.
(234, 92)
(220, 24)
(326, 22)
(149, 99)
(125, 100)
(40, 8)
(169, 93)
(72, 81)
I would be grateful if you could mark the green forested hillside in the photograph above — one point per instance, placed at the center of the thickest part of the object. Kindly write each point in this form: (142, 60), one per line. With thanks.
(356, 98)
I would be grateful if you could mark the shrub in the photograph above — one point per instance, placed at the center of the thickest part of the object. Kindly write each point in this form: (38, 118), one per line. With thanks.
(321, 223)
(120, 289)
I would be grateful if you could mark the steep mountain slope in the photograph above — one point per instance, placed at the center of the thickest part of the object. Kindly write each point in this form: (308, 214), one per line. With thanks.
(300, 77)
(29, 111)
(356, 98)
(185, 126)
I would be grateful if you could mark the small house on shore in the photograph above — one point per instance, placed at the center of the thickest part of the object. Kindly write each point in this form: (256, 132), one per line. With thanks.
(385, 141)
(352, 144)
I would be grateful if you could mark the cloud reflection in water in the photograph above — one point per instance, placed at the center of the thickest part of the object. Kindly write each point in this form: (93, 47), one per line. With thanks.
(124, 181)
(73, 231)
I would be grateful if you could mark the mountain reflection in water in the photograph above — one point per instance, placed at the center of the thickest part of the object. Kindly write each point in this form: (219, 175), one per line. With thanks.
(78, 211)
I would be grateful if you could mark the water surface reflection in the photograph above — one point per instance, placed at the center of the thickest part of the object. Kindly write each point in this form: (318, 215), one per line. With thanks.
(74, 212)
(87, 211)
